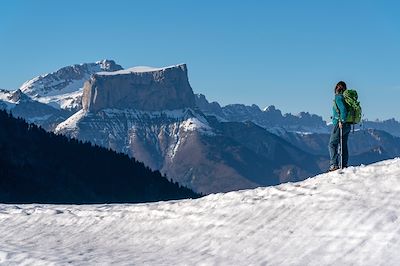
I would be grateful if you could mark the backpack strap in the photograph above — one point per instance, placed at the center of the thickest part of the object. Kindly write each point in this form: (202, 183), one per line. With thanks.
(338, 111)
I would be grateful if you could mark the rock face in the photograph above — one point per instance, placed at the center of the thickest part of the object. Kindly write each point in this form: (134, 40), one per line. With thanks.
(139, 88)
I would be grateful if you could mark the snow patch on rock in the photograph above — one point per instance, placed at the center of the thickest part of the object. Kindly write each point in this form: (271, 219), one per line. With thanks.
(72, 122)
(140, 69)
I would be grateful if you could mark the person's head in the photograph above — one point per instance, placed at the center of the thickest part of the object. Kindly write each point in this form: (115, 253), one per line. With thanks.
(340, 87)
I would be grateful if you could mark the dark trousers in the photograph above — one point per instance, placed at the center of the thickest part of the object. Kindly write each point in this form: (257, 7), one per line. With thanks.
(334, 144)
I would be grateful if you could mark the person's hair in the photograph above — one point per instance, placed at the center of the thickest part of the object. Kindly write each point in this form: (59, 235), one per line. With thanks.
(340, 87)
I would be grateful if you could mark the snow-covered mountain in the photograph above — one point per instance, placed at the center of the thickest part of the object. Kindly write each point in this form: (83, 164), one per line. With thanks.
(151, 137)
(150, 114)
(50, 99)
(332, 219)
(153, 115)
(63, 88)
(7, 99)
(21, 105)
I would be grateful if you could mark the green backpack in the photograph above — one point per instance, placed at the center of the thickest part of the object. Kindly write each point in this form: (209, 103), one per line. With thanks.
(353, 106)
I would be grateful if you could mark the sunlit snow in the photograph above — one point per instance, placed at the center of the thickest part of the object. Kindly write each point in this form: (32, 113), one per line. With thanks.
(137, 69)
(332, 219)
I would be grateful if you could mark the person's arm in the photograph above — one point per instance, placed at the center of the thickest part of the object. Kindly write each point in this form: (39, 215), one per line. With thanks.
(342, 109)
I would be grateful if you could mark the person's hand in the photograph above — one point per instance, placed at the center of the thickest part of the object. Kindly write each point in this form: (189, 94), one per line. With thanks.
(340, 125)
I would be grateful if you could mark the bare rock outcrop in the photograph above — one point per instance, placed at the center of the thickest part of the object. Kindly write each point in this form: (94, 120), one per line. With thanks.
(140, 88)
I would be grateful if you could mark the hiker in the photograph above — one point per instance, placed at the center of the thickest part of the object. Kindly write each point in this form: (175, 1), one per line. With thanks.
(340, 131)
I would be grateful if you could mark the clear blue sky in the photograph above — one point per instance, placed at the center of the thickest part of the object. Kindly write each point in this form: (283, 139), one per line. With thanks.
(284, 53)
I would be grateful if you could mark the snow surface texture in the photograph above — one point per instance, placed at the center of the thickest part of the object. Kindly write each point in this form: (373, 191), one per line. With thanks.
(332, 219)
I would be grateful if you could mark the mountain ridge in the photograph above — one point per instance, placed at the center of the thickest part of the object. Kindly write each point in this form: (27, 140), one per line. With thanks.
(153, 115)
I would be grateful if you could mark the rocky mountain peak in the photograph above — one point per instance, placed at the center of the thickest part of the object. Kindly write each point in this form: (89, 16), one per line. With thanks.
(18, 96)
(67, 79)
(141, 88)
(108, 65)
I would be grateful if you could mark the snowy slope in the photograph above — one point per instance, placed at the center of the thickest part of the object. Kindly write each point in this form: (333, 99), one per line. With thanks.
(67, 79)
(332, 219)
(63, 88)
(67, 101)
(6, 100)
(21, 105)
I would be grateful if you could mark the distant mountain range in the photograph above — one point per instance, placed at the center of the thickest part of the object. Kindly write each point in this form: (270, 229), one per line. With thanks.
(269, 118)
(153, 115)
(273, 120)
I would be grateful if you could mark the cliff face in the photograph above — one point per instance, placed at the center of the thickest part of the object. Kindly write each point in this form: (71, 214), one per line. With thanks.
(148, 89)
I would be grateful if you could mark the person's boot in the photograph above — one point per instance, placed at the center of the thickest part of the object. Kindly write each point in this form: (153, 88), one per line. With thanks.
(333, 168)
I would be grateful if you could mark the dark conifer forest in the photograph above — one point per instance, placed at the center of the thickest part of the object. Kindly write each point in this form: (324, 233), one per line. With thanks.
(40, 167)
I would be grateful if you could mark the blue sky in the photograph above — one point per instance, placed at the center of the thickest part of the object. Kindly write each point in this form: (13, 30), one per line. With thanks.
(284, 53)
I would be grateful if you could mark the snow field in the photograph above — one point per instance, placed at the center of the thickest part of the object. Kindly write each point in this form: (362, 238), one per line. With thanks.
(331, 219)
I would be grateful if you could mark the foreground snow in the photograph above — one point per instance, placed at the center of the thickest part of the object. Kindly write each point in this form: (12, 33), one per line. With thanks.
(331, 219)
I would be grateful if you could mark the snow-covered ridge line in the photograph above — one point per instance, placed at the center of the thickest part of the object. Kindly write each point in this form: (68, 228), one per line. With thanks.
(176, 114)
(191, 119)
(66, 79)
(140, 69)
(101, 64)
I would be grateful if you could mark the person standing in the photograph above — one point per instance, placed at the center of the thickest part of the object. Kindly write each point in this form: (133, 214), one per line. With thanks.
(340, 131)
